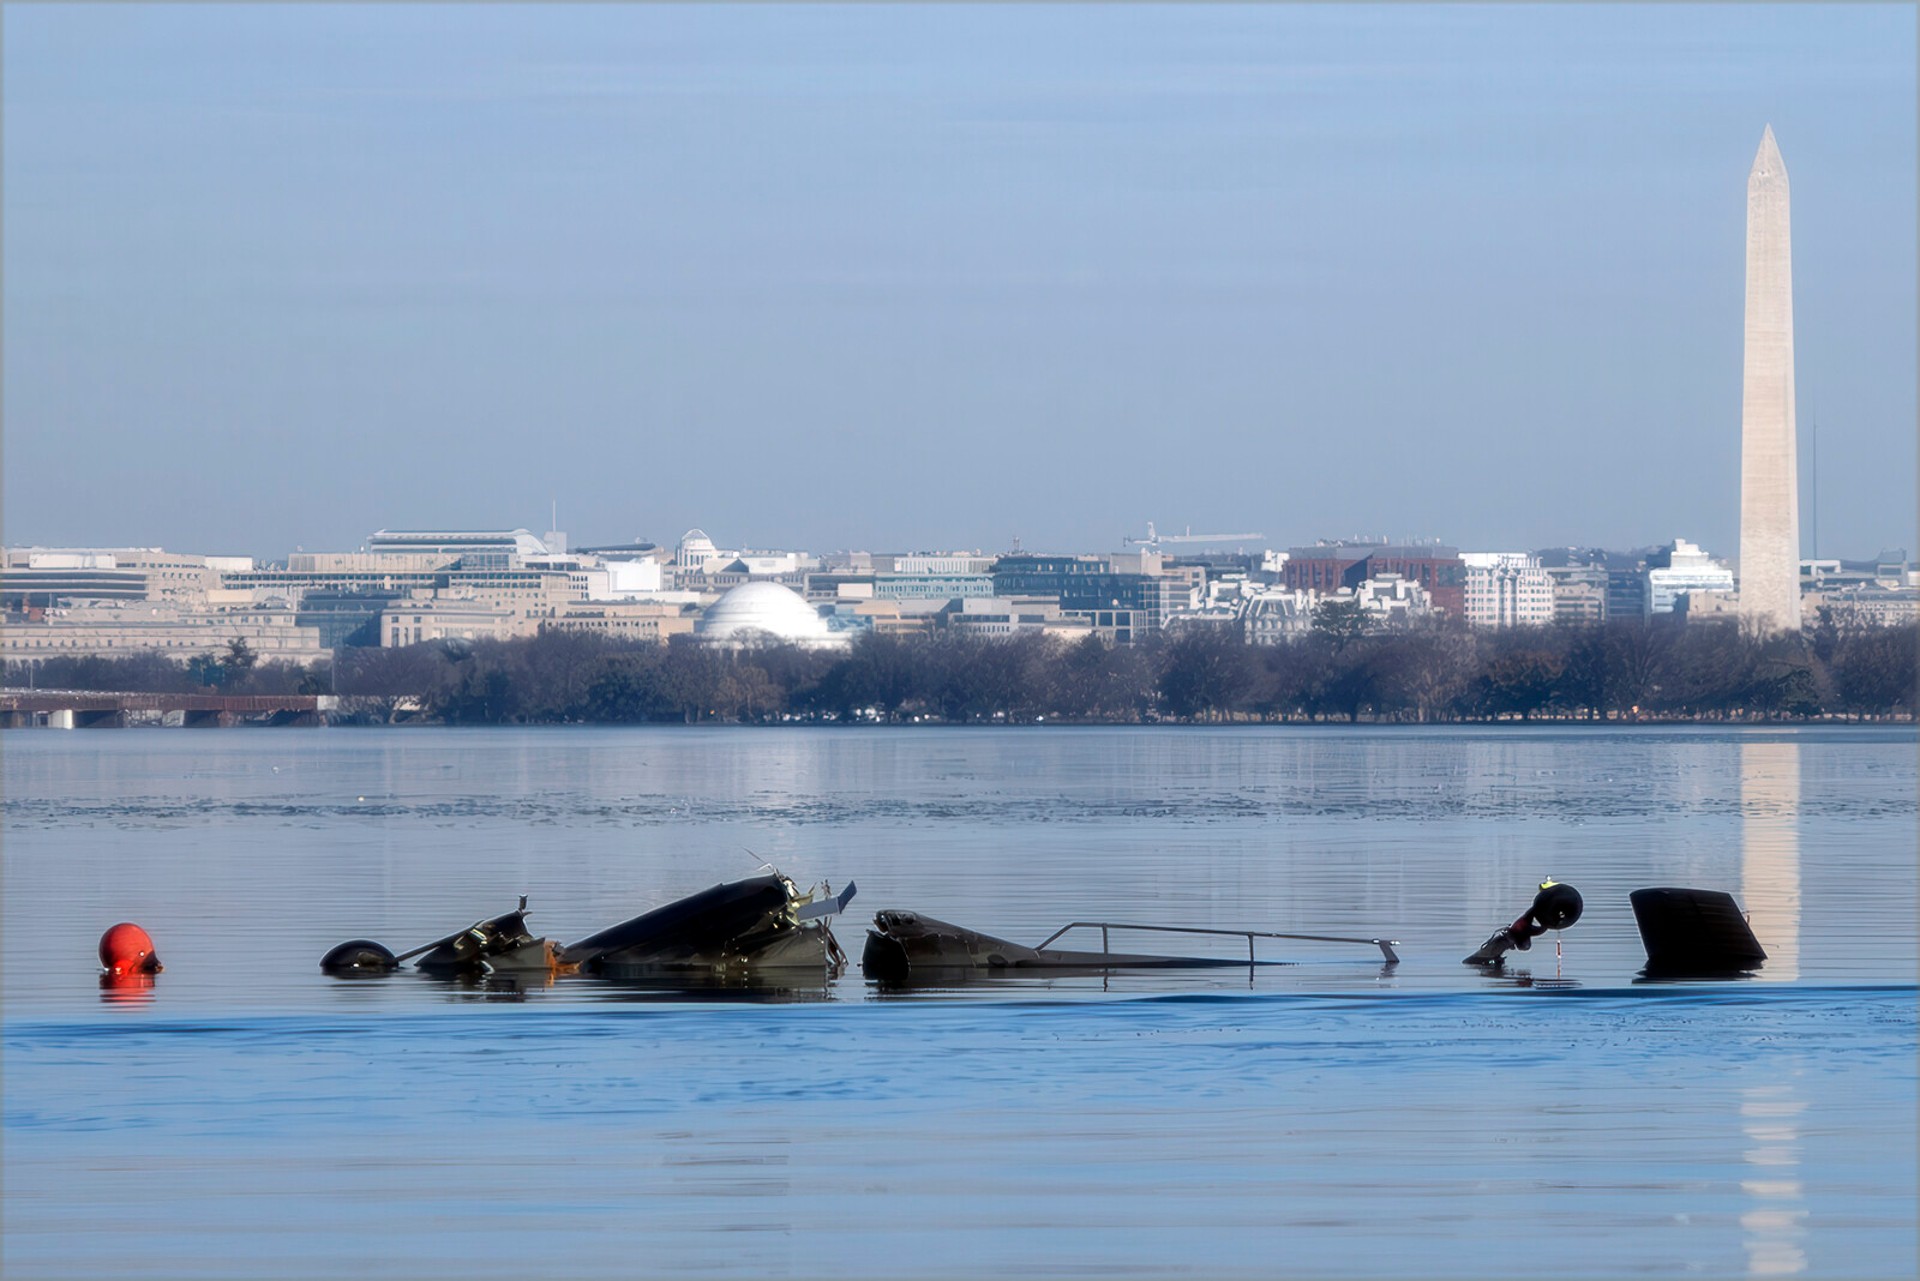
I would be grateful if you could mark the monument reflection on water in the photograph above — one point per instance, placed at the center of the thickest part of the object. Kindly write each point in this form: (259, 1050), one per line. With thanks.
(1770, 852)
(1775, 1222)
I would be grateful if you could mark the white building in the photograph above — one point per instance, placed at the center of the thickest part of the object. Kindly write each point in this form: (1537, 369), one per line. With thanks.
(698, 565)
(1005, 616)
(937, 563)
(1385, 598)
(1276, 616)
(1507, 589)
(503, 545)
(413, 622)
(695, 550)
(764, 613)
(1680, 567)
(619, 580)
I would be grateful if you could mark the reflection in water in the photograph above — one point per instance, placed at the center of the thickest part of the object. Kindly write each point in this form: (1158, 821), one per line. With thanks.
(775, 987)
(1770, 852)
(126, 989)
(1775, 1227)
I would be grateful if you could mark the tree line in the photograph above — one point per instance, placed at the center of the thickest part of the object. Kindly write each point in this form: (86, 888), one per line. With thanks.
(1344, 669)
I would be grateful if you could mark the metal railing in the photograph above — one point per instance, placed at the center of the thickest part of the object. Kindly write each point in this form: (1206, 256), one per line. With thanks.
(1385, 945)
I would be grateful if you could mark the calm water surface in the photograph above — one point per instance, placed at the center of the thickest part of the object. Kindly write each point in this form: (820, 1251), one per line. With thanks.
(249, 1116)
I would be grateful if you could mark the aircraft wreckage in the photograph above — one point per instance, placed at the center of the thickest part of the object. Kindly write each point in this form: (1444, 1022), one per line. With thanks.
(763, 923)
(908, 945)
(766, 926)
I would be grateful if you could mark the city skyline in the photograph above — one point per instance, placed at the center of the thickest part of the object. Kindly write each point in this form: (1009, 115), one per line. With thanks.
(279, 277)
(1125, 543)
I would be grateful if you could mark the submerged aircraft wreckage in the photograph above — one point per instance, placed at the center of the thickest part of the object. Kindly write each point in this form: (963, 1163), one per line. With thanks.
(906, 945)
(758, 924)
(766, 926)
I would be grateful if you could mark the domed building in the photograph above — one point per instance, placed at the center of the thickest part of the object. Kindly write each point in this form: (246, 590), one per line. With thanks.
(765, 612)
(695, 550)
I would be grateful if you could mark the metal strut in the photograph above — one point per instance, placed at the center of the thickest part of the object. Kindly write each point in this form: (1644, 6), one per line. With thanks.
(1385, 945)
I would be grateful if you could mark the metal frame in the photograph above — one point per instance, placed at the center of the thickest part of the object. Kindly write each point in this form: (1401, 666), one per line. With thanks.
(1385, 945)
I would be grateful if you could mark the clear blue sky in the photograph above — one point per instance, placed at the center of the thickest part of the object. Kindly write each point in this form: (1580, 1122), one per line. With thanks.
(915, 276)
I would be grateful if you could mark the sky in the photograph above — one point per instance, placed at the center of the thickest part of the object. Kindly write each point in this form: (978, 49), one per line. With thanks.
(917, 277)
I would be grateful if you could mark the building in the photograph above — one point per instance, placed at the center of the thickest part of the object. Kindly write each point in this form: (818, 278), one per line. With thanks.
(1682, 568)
(1133, 582)
(47, 576)
(1212, 617)
(414, 622)
(695, 550)
(1769, 480)
(1579, 593)
(1506, 589)
(1328, 567)
(884, 617)
(1114, 626)
(1387, 598)
(1000, 617)
(478, 548)
(826, 586)
(47, 579)
(1276, 616)
(643, 622)
(1627, 592)
(1213, 568)
(918, 576)
(532, 590)
(638, 549)
(508, 569)
(1889, 569)
(612, 580)
(124, 629)
(764, 613)
(931, 586)
(1706, 607)
(364, 562)
(789, 568)
(1865, 605)
(700, 566)
(344, 619)
(968, 564)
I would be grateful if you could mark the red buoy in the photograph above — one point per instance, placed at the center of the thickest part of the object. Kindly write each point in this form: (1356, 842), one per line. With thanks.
(128, 949)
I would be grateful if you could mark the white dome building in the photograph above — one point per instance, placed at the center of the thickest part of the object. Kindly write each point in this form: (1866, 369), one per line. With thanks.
(695, 550)
(763, 612)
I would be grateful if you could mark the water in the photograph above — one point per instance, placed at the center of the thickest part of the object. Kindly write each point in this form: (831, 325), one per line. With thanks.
(1336, 1117)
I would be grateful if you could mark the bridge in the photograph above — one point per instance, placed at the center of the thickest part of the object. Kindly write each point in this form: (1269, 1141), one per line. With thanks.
(89, 709)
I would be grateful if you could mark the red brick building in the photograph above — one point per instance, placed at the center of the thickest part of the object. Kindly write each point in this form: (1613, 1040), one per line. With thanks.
(1327, 567)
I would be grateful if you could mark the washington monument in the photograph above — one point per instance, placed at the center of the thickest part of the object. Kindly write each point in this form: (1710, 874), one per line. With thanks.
(1769, 484)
